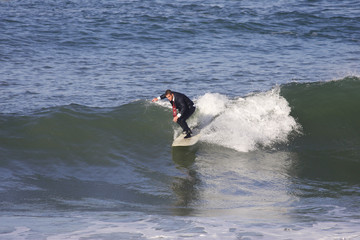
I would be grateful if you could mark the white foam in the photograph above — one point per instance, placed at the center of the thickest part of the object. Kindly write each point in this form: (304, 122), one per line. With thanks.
(212, 104)
(155, 227)
(336, 224)
(244, 123)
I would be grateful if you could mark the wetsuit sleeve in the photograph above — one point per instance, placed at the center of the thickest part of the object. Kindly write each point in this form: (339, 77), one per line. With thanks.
(162, 96)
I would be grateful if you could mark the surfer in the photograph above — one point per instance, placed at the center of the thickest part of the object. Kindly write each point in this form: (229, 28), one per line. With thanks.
(183, 104)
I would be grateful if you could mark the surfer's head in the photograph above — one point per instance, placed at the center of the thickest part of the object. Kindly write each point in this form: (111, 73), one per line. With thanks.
(169, 94)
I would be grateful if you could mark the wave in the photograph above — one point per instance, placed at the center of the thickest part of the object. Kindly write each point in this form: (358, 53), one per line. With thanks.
(327, 111)
(76, 133)
(329, 146)
(313, 125)
(306, 116)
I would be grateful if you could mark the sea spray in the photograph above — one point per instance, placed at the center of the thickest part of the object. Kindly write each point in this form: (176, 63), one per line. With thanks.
(245, 123)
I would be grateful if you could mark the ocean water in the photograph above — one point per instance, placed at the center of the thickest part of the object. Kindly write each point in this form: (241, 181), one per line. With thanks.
(85, 154)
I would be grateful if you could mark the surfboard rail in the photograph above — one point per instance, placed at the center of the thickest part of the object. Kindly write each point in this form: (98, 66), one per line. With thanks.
(180, 141)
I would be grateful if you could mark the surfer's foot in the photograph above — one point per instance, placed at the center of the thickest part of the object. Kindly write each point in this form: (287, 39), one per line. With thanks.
(187, 131)
(188, 134)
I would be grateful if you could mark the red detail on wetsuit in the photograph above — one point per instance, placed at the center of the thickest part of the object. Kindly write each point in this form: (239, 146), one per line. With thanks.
(174, 109)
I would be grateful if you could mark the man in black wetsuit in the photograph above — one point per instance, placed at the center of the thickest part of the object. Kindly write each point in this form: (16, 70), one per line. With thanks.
(183, 104)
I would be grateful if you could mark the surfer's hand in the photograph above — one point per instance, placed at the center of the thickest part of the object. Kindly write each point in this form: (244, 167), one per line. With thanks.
(155, 99)
(175, 119)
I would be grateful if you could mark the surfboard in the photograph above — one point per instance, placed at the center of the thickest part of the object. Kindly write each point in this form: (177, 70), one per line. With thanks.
(180, 141)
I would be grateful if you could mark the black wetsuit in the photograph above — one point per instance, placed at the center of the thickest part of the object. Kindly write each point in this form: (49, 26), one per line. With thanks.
(185, 107)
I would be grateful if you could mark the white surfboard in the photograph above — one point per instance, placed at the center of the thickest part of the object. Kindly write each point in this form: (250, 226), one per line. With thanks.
(180, 141)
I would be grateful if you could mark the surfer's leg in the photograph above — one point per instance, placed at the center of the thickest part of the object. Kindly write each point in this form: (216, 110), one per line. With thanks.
(183, 125)
(182, 122)
(184, 117)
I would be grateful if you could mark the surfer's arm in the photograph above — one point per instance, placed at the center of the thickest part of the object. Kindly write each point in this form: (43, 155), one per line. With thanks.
(159, 98)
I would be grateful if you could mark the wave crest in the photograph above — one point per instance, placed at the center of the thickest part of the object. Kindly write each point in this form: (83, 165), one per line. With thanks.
(245, 123)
